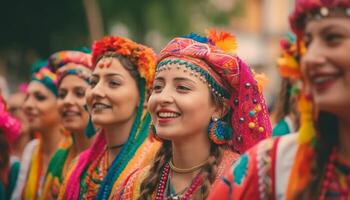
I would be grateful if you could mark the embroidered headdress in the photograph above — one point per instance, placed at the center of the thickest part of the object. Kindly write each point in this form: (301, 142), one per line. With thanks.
(58, 63)
(47, 78)
(141, 56)
(213, 60)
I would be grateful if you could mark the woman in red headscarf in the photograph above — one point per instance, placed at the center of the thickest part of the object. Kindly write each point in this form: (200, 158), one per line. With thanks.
(206, 108)
(315, 163)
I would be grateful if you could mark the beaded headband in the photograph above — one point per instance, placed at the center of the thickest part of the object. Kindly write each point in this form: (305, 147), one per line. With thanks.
(58, 62)
(9, 125)
(212, 59)
(47, 78)
(316, 9)
(141, 56)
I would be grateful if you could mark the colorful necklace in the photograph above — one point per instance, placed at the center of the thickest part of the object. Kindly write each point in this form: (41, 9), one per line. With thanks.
(336, 183)
(164, 184)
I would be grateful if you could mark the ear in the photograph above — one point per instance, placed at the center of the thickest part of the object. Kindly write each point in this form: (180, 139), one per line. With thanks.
(221, 110)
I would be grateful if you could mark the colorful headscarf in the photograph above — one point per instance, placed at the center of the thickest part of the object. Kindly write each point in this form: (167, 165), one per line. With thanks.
(144, 60)
(141, 56)
(47, 78)
(57, 62)
(212, 58)
(9, 125)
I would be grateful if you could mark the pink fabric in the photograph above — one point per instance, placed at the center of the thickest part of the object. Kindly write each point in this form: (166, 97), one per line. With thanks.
(84, 160)
(8, 124)
(233, 74)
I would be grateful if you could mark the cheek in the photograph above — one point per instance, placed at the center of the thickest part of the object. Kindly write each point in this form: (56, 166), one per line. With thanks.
(152, 104)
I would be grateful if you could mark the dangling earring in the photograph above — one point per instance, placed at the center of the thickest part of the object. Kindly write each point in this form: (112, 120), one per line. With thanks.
(219, 132)
(154, 133)
(89, 129)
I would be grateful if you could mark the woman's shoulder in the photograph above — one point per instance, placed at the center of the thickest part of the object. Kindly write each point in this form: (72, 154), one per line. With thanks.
(252, 175)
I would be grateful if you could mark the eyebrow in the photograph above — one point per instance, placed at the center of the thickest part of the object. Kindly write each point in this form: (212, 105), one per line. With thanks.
(108, 75)
(176, 79)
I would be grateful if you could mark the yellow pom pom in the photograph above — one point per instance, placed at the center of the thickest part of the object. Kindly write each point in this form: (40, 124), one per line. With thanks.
(261, 129)
(251, 125)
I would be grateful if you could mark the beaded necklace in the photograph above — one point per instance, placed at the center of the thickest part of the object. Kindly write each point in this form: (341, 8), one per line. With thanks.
(164, 184)
(337, 184)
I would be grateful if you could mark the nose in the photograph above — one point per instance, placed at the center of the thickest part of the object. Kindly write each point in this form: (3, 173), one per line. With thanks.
(166, 96)
(68, 99)
(315, 55)
(97, 90)
(28, 103)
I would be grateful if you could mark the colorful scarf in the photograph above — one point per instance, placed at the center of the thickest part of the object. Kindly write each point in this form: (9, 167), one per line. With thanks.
(57, 169)
(47, 78)
(213, 59)
(33, 183)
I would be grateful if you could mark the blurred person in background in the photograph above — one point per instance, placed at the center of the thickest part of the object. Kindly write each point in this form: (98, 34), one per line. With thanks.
(10, 128)
(40, 107)
(73, 70)
(315, 163)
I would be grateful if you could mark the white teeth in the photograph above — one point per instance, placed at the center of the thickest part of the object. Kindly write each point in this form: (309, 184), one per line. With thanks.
(70, 113)
(168, 114)
(100, 106)
(321, 79)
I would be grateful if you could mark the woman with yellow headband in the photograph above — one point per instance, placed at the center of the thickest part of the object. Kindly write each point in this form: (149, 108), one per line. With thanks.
(206, 108)
(315, 163)
(122, 74)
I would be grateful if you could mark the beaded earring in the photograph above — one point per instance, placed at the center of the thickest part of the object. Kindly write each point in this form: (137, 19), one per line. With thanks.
(219, 132)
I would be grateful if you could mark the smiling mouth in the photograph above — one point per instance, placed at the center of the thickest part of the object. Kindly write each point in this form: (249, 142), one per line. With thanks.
(166, 116)
(98, 107)
(70, 114)
(324, 81)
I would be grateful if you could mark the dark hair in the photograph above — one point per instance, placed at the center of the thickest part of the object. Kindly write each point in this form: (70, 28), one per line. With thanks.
(327, 128)
(125, 61)
(285, 104)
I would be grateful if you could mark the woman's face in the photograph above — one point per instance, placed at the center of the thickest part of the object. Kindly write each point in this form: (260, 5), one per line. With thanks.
(114, 96)
(71, 101)
(40, 107)
(326, 64)
(180, 104)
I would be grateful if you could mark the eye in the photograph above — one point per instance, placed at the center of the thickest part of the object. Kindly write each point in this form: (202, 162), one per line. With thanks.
(62, 94)
(80, 92)
(93, 82)
(333, 38)
(113, 83)
(40, 97)
(157, 87)
(182, 88)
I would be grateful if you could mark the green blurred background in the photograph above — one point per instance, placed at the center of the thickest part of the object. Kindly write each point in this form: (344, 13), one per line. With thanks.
(33, 29)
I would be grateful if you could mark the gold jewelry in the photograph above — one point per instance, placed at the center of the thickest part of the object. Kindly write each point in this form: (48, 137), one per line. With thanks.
(188, 170)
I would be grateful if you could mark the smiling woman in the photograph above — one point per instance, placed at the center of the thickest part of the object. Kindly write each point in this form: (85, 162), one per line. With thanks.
(41, 109)
(207, 108)
(73, 69)
(315, 162)
(120, 81)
